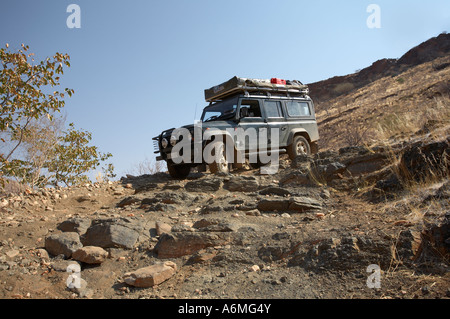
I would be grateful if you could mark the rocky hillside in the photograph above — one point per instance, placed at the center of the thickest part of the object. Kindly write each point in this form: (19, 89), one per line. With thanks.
(414, 104)
(430, 50)
(310, 231)
(316, 229)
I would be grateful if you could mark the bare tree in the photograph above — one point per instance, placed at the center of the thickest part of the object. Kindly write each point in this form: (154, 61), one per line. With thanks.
(39, 143)
(33, 147)
(147, 166)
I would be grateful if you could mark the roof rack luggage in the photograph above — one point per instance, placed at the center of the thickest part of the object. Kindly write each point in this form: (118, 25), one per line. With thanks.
(244, 85)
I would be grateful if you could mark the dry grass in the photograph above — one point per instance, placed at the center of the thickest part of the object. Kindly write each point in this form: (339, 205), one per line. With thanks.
(432, 124)
(344, 87)
(432, 119)
(413, 104)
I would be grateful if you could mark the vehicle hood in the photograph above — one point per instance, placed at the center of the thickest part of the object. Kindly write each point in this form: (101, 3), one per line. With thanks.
(211, 125)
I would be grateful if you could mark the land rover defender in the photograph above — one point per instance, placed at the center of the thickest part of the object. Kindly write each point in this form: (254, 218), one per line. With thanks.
(246, 119)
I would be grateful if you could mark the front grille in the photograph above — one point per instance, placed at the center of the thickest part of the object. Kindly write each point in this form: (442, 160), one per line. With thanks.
(156, 146)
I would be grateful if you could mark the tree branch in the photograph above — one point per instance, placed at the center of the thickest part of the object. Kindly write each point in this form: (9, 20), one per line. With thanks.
(22, 130)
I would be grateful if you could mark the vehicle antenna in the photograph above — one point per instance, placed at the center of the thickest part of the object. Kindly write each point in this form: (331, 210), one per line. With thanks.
(195, 113)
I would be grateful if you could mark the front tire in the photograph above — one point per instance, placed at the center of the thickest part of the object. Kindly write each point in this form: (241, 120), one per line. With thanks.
(220, 163)
(178, 171)
(300, 146)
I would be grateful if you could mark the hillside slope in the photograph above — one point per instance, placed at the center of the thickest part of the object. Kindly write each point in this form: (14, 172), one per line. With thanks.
(429, 50)
(404, 98)
(411, 104)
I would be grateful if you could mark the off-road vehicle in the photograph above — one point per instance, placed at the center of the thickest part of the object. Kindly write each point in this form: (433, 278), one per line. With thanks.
(241, 105)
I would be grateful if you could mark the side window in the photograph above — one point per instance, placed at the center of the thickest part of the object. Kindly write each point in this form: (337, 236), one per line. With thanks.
(254, 110)
(297, 108)
(272, 109)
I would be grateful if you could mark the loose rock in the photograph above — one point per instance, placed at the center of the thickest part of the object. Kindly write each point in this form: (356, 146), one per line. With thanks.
(90, 255)
(151, 275)
(162, 228)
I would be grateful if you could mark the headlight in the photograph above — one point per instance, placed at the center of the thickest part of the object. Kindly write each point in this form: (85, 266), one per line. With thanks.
(173, 140)
(164, 143)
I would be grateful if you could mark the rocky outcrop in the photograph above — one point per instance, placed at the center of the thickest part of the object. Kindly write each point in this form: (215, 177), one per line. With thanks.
(427, 51)
(344, 254)
(436, 239)
(294, 204)
(420, 161)
(430, 50)
(331, 167)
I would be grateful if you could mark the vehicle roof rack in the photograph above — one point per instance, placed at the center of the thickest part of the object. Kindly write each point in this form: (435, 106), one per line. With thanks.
(248, 86)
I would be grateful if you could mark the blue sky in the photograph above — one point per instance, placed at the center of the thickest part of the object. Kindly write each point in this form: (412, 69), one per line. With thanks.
(139, 67)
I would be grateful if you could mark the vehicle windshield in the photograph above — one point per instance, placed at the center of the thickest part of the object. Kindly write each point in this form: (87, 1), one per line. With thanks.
(223, 110)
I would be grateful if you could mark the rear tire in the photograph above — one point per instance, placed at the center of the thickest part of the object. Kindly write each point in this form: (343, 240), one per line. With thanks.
(178, 171)
(299, 146)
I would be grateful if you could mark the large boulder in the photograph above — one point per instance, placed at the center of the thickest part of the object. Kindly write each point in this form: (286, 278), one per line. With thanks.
(64, 243)
(113, 233)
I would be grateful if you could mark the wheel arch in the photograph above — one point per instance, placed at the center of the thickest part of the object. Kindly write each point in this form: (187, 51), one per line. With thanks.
(297, 132)
(224, 137)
